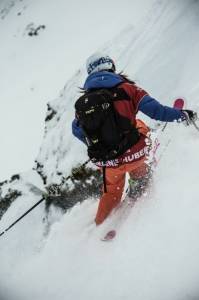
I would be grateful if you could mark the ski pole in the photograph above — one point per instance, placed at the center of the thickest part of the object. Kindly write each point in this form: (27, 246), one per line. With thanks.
(195, 125)
(164, 127)
(27, 212)
(44, 196)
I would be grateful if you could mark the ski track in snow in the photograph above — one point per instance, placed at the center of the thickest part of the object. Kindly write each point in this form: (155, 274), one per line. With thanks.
(155, 253)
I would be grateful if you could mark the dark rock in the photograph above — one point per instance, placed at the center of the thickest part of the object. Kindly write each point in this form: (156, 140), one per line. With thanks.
(50, 114)
(6, 201)
(15, 177)
(86, 184)
(34, 30)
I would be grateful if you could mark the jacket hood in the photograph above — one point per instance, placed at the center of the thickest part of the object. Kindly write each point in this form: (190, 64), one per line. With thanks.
(103, 79)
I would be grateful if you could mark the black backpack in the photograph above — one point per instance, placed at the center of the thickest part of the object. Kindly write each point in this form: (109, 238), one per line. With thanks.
(108, 134)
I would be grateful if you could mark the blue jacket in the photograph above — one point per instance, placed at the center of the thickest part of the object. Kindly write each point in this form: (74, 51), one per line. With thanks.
(148, 105)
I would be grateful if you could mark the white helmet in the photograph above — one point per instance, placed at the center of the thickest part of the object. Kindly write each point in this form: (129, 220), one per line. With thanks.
(99, 62)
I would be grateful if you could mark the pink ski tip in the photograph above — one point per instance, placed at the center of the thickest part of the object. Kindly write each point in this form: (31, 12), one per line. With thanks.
(179, 103)
(109, 235)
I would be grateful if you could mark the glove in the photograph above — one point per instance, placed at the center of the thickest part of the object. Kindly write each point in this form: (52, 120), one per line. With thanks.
(188, 116)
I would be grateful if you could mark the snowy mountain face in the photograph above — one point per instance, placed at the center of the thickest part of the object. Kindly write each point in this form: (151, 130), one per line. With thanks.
(56, 255)
(43, 44)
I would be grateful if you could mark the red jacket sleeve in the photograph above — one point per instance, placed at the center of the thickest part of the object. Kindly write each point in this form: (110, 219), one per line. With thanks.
(135, 93)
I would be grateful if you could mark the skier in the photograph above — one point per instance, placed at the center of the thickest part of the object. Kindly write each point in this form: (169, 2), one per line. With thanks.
(133, 148)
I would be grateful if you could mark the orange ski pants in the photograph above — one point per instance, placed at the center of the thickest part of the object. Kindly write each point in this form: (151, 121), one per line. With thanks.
(115, 181)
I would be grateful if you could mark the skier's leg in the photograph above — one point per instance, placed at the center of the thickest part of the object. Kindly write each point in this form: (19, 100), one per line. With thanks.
(139, 181)
(115, 180)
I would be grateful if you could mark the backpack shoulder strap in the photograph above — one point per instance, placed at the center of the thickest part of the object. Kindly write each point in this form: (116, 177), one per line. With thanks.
(119, 93)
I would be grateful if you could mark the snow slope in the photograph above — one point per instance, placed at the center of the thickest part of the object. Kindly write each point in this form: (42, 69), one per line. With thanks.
(155, 255)
(34, 69)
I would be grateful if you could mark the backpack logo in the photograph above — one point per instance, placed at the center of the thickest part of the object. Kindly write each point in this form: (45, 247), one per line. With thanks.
(105, 106)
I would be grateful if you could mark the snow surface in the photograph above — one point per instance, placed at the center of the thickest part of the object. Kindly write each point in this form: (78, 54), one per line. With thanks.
(155, 254)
